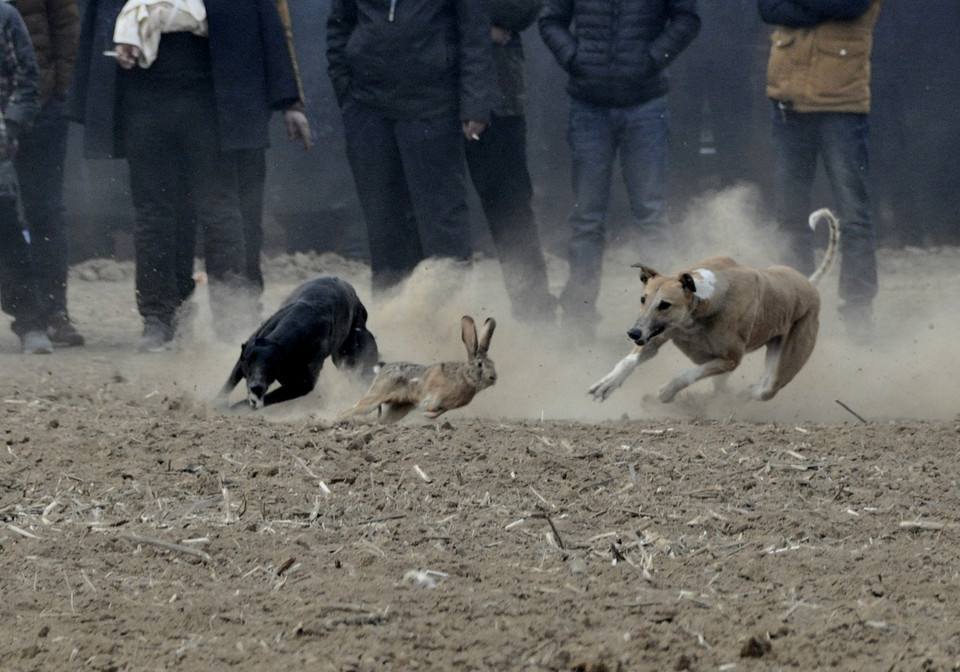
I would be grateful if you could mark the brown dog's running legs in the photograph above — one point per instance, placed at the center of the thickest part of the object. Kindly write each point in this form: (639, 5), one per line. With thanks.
(714, 367)
(795, 351)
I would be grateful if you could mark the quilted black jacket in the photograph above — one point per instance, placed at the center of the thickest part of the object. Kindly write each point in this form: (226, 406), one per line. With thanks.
(615, 51)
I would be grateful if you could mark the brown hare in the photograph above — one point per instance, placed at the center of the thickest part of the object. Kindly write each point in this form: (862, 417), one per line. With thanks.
(401, 387)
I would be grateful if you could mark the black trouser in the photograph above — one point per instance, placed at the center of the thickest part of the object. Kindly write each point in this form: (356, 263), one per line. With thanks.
(172, 143)
(498, 168)
(40, 161)
(251, 179)
(18, 295)
(410, 179)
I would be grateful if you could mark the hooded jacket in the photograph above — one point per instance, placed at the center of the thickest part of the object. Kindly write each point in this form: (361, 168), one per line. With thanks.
(411, 59)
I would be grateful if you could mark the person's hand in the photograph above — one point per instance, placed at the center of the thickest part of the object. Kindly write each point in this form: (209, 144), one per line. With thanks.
(500, 36)
(298, 127)
(127, 55)
(472, 130)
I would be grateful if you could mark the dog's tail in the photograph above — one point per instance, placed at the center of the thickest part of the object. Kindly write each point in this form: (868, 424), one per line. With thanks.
(830, 255)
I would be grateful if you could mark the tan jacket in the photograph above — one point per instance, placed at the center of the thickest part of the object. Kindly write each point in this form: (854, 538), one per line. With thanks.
(825, 68)
(54, 27)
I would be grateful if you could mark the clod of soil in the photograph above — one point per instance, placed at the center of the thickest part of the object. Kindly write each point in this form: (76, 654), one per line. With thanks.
(755, 647)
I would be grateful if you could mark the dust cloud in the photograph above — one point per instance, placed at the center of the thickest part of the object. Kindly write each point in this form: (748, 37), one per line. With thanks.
(909, 372)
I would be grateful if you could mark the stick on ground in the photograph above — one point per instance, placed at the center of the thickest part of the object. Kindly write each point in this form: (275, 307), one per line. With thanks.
(166, 545)
(851, 411)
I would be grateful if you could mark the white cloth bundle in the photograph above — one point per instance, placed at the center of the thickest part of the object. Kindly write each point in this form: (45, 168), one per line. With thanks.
(142, 22)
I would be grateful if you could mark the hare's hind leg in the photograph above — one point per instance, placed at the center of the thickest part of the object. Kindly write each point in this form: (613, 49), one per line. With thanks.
(366, 404)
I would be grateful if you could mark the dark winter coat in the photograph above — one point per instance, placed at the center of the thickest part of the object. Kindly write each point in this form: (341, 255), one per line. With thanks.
(18, 89)
(617, 50)
(252, 74)
(54, 27)
(420, 59)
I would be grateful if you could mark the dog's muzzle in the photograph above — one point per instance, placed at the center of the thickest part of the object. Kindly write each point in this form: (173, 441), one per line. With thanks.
(255, 397)
(636, 335)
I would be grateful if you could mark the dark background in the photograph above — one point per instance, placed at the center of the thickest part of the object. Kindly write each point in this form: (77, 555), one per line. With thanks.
(720, 130)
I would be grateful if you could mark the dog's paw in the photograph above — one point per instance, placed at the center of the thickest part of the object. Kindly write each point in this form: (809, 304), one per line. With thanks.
(756, 392)
(667, 393)
(603, 388)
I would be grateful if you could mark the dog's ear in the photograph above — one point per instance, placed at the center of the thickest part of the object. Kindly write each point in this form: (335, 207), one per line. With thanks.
(686, 281)
(646, 273)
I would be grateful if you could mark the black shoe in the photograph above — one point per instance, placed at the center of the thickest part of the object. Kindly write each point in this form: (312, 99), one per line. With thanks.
(157, 336)
(62, 332)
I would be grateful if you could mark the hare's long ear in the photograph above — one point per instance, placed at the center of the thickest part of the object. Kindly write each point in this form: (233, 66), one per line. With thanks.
(468, 330)
(486, 333)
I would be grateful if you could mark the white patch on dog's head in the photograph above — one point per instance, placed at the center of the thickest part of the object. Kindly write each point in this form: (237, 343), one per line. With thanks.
(706, 283)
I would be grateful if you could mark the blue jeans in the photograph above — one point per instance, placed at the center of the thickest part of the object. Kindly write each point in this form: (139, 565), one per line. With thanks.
(597, 134)
(43, 150)
(840, 139)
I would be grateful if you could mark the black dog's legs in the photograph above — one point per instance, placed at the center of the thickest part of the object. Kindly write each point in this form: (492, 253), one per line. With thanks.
(287, 392)
(232, 381)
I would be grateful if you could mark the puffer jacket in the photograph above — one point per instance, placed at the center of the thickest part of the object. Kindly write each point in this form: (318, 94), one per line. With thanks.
(54, 27)
(820, 53)
(411, 59)
(618, 49)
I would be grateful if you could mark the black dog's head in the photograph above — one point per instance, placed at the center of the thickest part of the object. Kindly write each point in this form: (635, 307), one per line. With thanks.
(359, 352)
(258, 359)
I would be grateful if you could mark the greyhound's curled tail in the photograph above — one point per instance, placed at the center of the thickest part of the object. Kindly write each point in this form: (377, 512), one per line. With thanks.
(830, 255)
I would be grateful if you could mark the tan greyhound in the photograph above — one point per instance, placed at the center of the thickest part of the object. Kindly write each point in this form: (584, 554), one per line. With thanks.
(718, 312)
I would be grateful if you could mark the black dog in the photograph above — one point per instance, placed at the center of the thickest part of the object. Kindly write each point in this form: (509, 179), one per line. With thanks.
(322, 318)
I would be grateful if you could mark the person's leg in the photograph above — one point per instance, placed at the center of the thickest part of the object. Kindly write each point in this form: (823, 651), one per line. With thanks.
(795, 148)
(498, 168)
(18, 293)
(40, 160)
(40, 171)
(212, 174)
(374, 157)
(252, 177)
(186, 238)
(594, 149)
(152, 147)
(432, 154)
(642, 133)
(843, 142)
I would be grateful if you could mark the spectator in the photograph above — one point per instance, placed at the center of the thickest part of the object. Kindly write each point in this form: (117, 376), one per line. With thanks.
(410, 79)
(197, 95)
(818, 78)
(251, 178)
(498, 167)
(18, 107)
(54, 27)
(616, 54)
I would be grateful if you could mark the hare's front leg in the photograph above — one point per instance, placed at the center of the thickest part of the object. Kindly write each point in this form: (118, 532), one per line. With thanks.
(390, 413)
